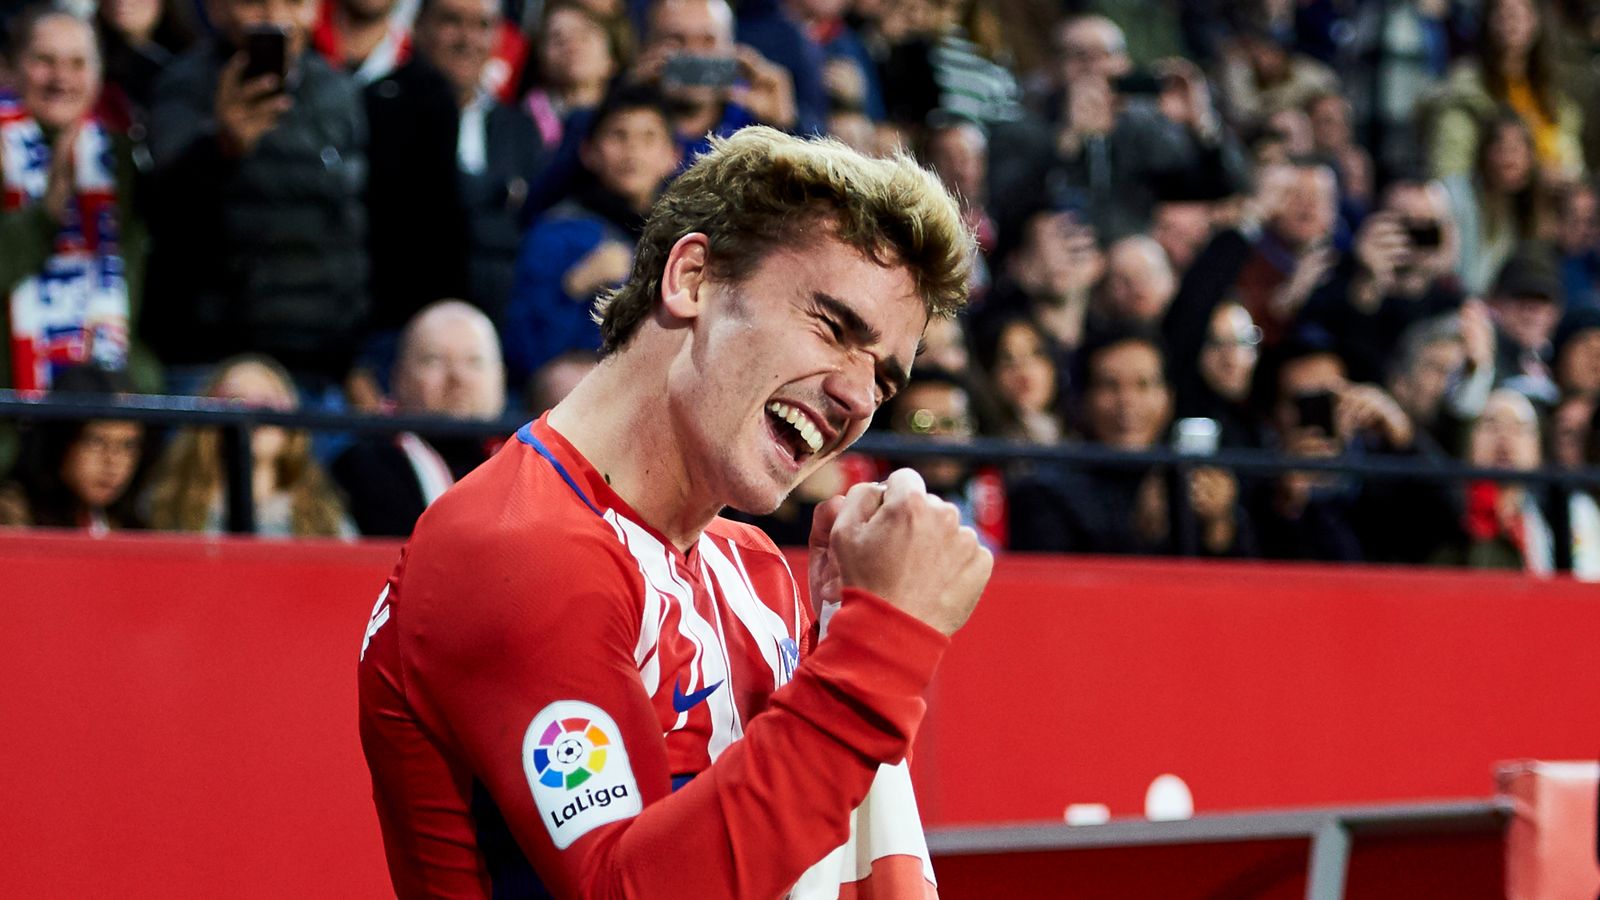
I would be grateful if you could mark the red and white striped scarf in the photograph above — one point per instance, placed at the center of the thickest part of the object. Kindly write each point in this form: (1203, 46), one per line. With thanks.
(75, 310)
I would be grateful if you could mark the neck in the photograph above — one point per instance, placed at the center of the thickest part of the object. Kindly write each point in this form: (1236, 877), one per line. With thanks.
(615, 418)
(359, 37)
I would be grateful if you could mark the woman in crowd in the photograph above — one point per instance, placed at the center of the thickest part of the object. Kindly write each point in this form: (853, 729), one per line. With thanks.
(1498, 205)
(1503, 526)
(293, 496)
(138, 39)
(1513, 68)
(577, 53)
(78, 474)
(1020, 362)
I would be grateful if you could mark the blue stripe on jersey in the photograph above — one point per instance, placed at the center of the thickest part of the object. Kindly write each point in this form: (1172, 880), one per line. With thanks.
(525, 435)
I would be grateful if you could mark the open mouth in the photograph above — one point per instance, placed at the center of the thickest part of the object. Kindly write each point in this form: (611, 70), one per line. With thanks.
(794, 431)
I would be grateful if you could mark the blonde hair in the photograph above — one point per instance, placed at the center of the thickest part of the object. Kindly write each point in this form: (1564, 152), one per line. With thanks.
(189, 477)
(762, 189)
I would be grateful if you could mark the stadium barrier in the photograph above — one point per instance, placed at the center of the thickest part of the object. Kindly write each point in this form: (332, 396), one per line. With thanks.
(180, 712)
(234, 420)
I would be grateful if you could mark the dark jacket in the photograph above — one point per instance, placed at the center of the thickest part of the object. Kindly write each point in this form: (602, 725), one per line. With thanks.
(418, 241)
(266, 253)
(385, 497)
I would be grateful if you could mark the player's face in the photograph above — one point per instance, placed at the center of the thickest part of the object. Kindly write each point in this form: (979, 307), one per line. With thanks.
(787, 368)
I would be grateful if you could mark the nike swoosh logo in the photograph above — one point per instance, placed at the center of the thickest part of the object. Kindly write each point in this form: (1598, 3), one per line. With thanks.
(682, 702)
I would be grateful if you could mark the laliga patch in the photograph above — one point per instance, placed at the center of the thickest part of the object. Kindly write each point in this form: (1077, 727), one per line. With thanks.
(578, 770)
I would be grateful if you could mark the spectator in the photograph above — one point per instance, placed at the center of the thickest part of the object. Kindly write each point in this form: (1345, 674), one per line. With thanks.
(576, 54)
(1575, 353)
(1397, 54)
(498, 150)
(680, 29)
(1513, 68)
(362, 37)
(1182, 228)
(293, 497)
(1578, 237)
(1503, 526)
(1049, 276)
(139, 39)
(1317, 413)
(958, 152)
(1217, 385)
(1022, 364)
(72, 246)
(936, 404)
(1271, 270)
(1114, 150)
(1497, 206)
(1526, 306)
(260, 233)
(1332, 138)
(1442, 371)
(78, 474)
(1261, 76)
(448, 365)
(1399, 273)
(1127, 405)
(1139, 284)
(556, 379)
(586, 244)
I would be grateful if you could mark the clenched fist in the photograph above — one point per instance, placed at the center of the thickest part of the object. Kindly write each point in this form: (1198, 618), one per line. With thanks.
(910, 548)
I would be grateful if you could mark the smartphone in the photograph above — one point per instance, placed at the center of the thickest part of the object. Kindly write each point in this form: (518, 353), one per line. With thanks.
(1196, 437)
(692, 70)
(1423, 233)
(1315, 410)
(266, 50)
(1139, 82)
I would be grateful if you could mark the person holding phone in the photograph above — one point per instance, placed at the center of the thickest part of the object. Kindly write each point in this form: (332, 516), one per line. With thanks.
(716, 85)
(1317, 412)
(259, 152)
(1399, 272)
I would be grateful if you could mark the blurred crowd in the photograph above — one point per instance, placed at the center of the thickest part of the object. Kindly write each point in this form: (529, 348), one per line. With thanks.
(1330, 229)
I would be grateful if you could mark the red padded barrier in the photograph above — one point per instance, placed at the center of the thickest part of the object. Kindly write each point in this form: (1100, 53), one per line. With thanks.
(179, 715)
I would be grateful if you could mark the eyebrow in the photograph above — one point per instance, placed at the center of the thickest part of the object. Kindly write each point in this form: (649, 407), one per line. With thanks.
(861, 333)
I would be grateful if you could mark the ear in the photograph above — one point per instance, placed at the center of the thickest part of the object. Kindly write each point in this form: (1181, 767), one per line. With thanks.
(684, 279)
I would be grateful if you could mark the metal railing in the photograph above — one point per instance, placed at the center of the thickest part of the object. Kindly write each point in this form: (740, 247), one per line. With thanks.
(234, 420)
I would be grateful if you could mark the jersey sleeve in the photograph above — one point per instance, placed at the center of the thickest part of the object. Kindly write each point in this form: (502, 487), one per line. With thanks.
(542, 698)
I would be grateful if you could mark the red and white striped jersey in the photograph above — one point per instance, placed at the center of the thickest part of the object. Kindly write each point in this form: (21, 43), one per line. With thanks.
(555, 700)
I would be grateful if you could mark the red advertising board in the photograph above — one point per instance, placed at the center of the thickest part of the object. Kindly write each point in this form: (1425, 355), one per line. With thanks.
(179, 714)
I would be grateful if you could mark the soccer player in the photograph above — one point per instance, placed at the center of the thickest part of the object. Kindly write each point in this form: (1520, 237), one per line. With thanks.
(579, 680)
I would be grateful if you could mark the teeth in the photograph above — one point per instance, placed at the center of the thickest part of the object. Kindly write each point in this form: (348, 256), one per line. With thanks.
(802, 423)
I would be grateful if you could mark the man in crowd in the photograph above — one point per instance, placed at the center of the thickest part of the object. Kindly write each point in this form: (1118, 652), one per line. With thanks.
(260, 233)
(1114, 147)
(580, 680)
(448, 365)
(703, 30)
(498, 149)
(1400, 273)
(938, 404)
(1526, 306)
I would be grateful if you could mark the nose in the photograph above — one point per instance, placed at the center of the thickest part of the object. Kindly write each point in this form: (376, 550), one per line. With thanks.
(852, 387)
